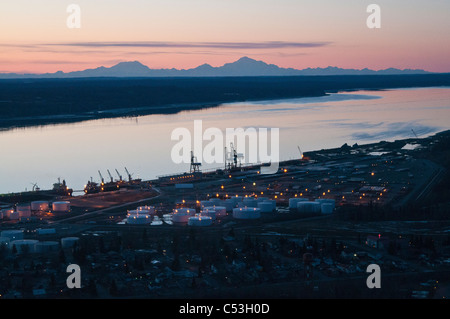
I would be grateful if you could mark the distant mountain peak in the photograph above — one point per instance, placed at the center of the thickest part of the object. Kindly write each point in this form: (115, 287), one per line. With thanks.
(244, 66)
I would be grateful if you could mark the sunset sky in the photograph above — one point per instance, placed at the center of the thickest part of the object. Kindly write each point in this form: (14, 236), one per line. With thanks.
(179, 34)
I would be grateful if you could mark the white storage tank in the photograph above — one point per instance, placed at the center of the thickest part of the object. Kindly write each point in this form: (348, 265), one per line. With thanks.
(184, 210)
(40, 206)
(7, 212)
(46, 246)
(63, 206)
(294, 200)
(265, 207)
(132, 213)
(12, 234)
(146, 209)
(229, 204)
(24, 245)
(250, 202)
(139, 219)
(181, 215)
(215, 201)
(309, 207)
(246, 213)
(205, 203)
(23, 210)
(69, 242)
(327, 208)
(220, 211)
(200, 220)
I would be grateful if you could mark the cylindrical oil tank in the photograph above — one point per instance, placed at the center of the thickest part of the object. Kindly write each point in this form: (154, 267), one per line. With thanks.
(63, 206)
(250, 202)
(309, 207)
(7, 212)
(12, 234)
(294, 200)
(14, 216)
(132, 213)
(246, 213)
(237, 199)
(46, 246)
(273, 202)
(139, 219)
(24, 209)
(205, 203)
(327, 208)
(69, 242)
(215, 201)
(261, 199)
(24, 245)
(184, 210)
(200, 220)
(265, 207)
(180, 218)
(220, 211)
(146, 209)
(40, 206)
(229, 204)
(209, 212)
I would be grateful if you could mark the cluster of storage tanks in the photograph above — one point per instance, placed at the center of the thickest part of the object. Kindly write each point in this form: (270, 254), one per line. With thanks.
(216, 208)
(15, 238)
(141, 215)
(318, 206)
(25, 210)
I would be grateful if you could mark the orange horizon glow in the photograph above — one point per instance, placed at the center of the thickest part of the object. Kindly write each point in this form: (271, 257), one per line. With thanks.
(36, 39)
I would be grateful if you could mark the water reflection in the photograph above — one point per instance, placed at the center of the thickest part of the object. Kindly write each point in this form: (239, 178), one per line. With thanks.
(76, 151)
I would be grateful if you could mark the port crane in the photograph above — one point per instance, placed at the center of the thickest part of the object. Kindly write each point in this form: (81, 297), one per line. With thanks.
(101, 177)
(118, 174)
(110, 176)
(234, 157)
(129, 175)
(195, 165)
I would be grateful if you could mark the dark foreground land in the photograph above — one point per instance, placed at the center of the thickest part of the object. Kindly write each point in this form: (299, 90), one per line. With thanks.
(25, 102)
(405, 230)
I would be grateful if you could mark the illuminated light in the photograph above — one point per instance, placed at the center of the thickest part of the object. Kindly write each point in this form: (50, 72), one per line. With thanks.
(254, 184)
(217, 195)
(328, 191)
(221, 187)
(257, 172)
(360, 197)
(372, 174)
(301, 194)
(295, 195)
(262, 193)
(229, 176)
(276, 196)
(306, 190)
(285, 170)
(281, 194)
(323, 194)
(343, 197)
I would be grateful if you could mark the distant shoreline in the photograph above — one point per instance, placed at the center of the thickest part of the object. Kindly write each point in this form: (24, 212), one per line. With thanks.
(33, 102)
